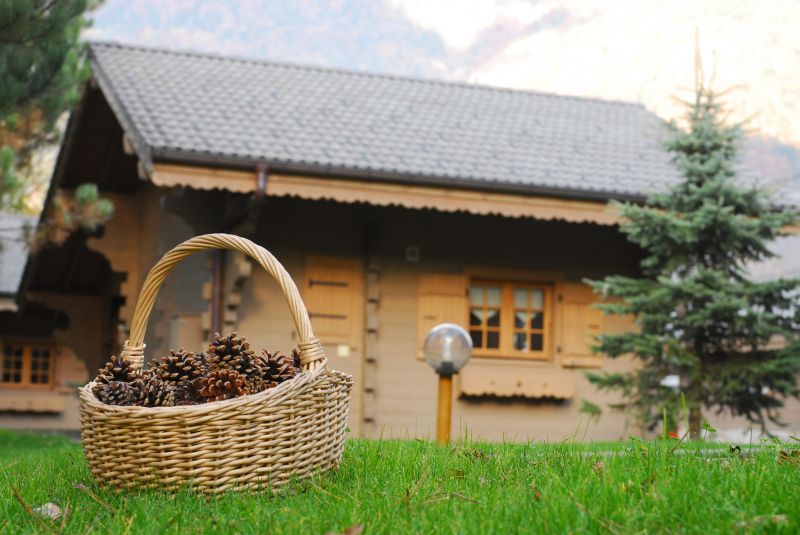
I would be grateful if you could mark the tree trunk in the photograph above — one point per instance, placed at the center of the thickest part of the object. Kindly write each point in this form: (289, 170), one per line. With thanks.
(695, 422)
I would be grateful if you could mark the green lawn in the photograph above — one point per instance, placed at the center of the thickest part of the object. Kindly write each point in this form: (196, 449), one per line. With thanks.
(417, 487)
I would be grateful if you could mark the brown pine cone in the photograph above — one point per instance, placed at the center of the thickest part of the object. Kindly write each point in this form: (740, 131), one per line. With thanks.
(179, 366)
(158, 393)
(224, 351)
(223, 384)
(279, 367)
(120, 393)
(188, 393)
(116, 369)
(259, 384)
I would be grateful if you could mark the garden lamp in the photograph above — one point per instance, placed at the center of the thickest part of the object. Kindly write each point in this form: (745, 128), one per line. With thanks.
(447, 349)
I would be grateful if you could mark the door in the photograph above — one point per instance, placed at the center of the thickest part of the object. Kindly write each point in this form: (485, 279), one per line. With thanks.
(333, 292)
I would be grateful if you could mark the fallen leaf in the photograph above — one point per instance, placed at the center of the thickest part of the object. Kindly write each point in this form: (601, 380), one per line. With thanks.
(48, 510)
(763, 520)
(789, 456)
(479, 454)
(457, 473)
(598, 467)
(355, 529)
(537, 494)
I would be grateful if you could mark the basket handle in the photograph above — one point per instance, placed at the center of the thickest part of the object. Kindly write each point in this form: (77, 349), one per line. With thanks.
(312, 355)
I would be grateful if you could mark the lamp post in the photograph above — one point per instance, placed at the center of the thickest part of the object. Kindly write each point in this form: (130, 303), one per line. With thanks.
(447, 349)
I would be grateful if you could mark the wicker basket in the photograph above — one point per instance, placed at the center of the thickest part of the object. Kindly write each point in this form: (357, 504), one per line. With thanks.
(254, 442)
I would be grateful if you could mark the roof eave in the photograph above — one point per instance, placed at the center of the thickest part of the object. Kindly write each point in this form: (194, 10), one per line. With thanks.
(174, 156)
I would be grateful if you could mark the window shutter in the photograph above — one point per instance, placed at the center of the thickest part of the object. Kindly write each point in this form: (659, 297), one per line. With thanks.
(578, 323)
(332, 297)
(442, 299)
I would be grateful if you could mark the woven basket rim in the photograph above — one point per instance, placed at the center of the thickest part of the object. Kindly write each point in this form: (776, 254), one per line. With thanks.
(308, 376)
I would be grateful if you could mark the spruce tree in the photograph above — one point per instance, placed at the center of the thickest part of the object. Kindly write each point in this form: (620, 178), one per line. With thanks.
(732, 340)
(41, 71)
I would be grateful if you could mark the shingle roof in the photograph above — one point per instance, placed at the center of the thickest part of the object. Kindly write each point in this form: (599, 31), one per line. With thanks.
(13, 250)
(204, 108)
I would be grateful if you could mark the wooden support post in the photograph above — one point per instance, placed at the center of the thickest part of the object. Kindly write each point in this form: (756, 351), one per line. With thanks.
(218, 291)
(445, 409)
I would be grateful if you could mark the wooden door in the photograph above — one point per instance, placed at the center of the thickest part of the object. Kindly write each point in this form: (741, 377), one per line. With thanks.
(333, 292)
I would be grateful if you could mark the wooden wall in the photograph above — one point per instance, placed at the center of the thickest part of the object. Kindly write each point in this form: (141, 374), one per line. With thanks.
(395, 392)
(402, 388)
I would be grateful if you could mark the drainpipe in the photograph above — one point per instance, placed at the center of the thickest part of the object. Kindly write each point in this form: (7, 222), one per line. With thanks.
(261, 180)
(218, 275)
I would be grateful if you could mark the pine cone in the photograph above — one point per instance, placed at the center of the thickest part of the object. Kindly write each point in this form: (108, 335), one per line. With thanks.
(120, 393)
(157, 392)
(223, 384)
(278, 367)
(259, 384)
(179, 366)
(230, 352)
(188, 393)
(117, 369)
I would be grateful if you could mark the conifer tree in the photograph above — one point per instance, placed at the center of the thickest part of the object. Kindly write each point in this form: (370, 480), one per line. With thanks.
(731, 340)
(42, 68)
(40, 74)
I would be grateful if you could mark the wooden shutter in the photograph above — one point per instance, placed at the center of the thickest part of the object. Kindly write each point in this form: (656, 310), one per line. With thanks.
(442, 299)
(577, 324)
(333, 296)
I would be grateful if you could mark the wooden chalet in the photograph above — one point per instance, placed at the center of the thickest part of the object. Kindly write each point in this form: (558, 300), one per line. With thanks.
(395, 203)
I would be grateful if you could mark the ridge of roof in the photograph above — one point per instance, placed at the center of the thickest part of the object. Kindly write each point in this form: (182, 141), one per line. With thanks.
(354, 72)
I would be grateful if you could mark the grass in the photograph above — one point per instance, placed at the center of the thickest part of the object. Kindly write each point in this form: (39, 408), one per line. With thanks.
(417, 487)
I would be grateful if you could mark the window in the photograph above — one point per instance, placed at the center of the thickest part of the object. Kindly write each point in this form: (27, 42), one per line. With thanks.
(509, 319)
(26, 364)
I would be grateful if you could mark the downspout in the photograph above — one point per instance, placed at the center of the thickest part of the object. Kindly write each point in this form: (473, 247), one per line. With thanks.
(261, 182)
(220, 255)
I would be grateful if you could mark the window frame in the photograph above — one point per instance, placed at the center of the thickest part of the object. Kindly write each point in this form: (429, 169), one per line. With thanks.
(27, 364)
(507, 328)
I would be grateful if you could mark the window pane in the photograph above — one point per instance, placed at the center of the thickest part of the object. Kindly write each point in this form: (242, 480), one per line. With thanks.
(493, 296)
(520, 319)
(18, 364)
(40, 365)
(475, 317)
(521, 297)
(537, 300)
(537, 320)
(476, 295)
(537, 342)
(492, 340)
(520, 341)
(17, 378)
(477, 338)
(493, 320)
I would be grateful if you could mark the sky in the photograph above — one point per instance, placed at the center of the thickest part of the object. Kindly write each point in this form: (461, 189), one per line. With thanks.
(634, 50)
